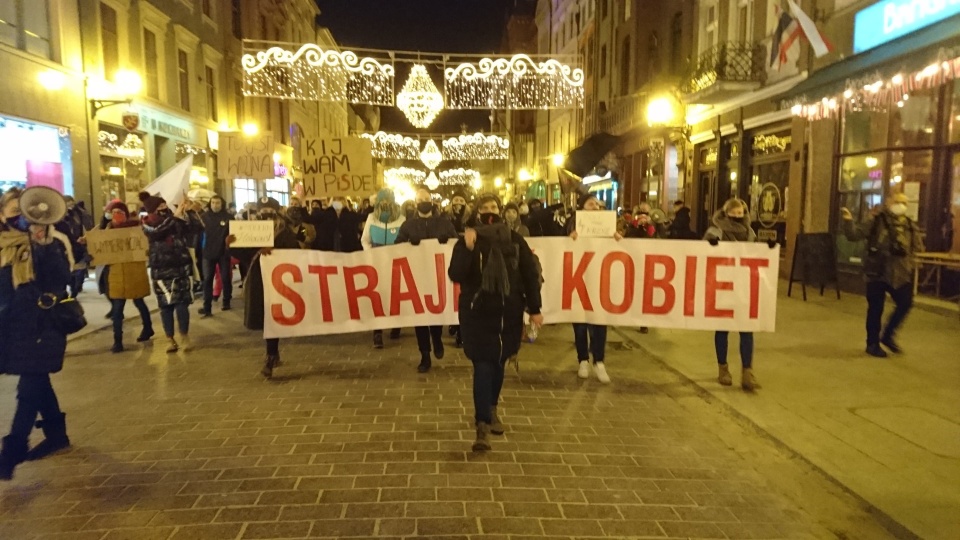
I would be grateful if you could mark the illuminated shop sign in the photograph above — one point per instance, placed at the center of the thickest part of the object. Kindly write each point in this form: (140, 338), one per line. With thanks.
(886, 21)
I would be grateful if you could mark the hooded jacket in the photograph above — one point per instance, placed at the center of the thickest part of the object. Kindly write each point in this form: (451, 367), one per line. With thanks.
(728, 229)
(216, 228)
(891, 243)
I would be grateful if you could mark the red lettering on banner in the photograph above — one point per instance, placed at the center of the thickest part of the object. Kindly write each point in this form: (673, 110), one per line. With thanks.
(441, 303)
(712, 286)
(629, 278)
(369, 291)
(403, 288)
(754, 265)
(323, 274)
(690, 287)
(651, 282)
(573, 281)
(299, 307)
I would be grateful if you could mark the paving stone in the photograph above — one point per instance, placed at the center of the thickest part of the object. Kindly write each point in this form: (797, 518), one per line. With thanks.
(286, 529)
(395, 528)
(375, 510)
(446, 526)
(434, 509)
(248, 513)
(687, 529)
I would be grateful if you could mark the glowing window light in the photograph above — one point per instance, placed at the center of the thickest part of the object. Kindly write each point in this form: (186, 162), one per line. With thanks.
(431, 156)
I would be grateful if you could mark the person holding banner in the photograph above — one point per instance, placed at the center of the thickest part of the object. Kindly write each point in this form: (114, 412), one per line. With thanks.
(381, 229)
(427, 224)
(171, 265)
(216, 254)
(498, 279)
(126, 281)
(730, 224)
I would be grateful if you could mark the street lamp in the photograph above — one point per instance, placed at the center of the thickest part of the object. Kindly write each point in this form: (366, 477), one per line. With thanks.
(52, 79)
(250, 129)
(129, 84)
(524, 175)
(498, 181)
(660, 111)
(558, 160)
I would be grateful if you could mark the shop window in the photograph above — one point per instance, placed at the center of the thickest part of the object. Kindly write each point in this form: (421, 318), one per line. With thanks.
(911, 174)
(211, 82)
(151, 63)
(109, 41)
(955, 114)
(861, 184)
(244, 192)
(913, 120)
(35, 153)
(279, 189)
(25, 25)
(864, 130)
(183, 71)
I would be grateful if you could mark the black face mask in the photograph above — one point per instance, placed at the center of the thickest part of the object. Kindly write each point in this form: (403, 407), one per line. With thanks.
(267, 217)
(489, 219)
(165, 213)
(19, 223)
(425, 207)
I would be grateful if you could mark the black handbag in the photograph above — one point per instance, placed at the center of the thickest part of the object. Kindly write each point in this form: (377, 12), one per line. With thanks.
(66, 314)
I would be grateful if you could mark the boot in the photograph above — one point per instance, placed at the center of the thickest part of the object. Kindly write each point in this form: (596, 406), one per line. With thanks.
(889, 343)
(117, 346)
(12, 453)
(749, 382)
(424, 363)
(438, 348)
(482, 444)
(145, 335)
(204, 312)
(226, 306)
(496, 426)
(876, 351)
(724, 378)
(270, 363)
(378, 340)
(55, 433)
(395, 333)
(173, 347)
(185, 344)
(459, 342)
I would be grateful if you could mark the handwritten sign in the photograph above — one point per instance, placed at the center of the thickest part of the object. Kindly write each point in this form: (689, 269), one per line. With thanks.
(596, 224)
(252, 233)
(114, 246)
(337, 167)
(241, 156)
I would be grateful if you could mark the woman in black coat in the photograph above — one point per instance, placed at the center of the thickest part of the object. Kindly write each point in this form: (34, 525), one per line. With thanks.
(34, 273)
(499, 278)
(338, 228)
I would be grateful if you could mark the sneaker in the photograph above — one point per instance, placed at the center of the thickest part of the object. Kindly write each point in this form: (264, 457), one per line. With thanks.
(584, 371)
(601, 373)
(876, 351)
(892, 345)
(117, 347)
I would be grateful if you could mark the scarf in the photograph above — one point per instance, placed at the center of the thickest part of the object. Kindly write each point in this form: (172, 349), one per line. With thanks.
(733, 229)
(494, 276)
(15, 251)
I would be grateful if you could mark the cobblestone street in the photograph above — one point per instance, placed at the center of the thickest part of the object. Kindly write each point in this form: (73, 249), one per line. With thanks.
(347, 441)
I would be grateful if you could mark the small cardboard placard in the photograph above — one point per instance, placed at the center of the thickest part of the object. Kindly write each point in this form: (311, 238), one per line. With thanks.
(242, 156)
(252, 233)
(114, 246)
(596, 224)
(337, 167)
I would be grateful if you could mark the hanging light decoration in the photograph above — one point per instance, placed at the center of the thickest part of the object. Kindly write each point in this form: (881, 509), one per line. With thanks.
(432, 181)
(431, 156)
(420, 100)
(132, 149)
(477, 146)
(403, 175)
(459, 177)
(393, 145)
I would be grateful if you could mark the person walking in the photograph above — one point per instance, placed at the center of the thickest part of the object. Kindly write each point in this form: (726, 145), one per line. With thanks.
(171, 266)
(72, 227)
(590, 339)
(730, 224)
(381, 229)
(498, 279)
(458, 213)
(216, 254)
(338, 228)
(892, 241)
(126, 281)
(34, 274)
(427, 224)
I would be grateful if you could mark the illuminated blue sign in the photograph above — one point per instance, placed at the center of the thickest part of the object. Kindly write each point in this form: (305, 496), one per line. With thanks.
(886, 21)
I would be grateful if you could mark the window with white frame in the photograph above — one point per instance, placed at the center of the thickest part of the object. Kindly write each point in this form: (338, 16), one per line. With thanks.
(210, 80)
(151, 63)
(244, 191)
(183, 78)
(279, 189)
(743, 20)
(155, 25)
(109, 40)
(708, 24)
(25, 25)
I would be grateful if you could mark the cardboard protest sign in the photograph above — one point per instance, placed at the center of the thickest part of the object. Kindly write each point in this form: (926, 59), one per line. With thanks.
(242, 156)
(114, 246)
(663, 284)
(333, 167)
(252, 233)
(596, 224)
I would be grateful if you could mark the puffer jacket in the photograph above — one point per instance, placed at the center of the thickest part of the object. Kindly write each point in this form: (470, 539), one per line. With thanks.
(728, 229)
(436, 227)
(892, 241)
(169, 242)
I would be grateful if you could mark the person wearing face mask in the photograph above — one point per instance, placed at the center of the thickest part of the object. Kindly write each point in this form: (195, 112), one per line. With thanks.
(381, 229)
(338, 228)
(511, 215)
(457, 212)
(216, 254)
(171, 266)
(297, 220)
(499, 279)
(71, 226)
(892, 241)
(34, 273)
(427, 224)
(642, 225)
(731, 225)
(680, 226)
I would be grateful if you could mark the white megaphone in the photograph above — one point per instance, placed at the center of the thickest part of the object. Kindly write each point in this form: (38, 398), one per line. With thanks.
(41, 205)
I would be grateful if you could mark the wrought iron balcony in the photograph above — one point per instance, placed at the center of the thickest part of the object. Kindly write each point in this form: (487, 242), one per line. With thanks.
(622, 114)
(724, 70)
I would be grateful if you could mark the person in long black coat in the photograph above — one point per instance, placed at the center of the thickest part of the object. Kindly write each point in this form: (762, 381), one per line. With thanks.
(499, 278)
(338, 228)
(215, 253)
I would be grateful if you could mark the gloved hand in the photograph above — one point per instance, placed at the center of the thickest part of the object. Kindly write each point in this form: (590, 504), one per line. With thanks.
(415, 241)
(714, 241)
(443, 239)
(771, 244)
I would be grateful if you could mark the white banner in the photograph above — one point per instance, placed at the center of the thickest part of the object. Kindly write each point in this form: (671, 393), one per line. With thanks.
(660, 284)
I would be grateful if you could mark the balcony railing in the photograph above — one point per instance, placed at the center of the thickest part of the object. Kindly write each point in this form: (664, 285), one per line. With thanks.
(726, 62)
(622, 114)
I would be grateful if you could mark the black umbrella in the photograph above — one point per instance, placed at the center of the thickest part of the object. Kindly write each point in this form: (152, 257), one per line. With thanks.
(582, 159)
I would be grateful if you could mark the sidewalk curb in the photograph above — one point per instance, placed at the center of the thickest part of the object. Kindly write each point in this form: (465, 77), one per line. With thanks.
(887, 521)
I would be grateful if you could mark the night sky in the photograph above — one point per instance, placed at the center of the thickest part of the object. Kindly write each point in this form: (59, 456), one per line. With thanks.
(450, 26)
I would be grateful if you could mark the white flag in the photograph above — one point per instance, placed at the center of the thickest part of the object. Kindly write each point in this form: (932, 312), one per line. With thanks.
(173, 184)
(810, 30)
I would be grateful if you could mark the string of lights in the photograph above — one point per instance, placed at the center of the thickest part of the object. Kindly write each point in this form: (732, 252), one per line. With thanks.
(514, 83)
(393, 145)
(477, 146)
(400, 175)
(459, 177)
(419, 99)
(431, 156)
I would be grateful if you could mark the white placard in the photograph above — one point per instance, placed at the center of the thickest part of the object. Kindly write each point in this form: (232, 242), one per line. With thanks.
(252, 233)
(596, 224)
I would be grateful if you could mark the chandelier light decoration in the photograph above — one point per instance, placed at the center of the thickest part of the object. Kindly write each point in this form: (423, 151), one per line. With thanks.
(459, 177)
(311, 73)
(393, 145)
(432, 181)
(518, 82)
(419, 99)
(403, 175)
(476, 146)
(431, 156)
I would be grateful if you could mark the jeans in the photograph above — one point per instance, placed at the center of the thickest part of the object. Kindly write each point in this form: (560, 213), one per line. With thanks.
(746, 347)
(273, 346)
(34, 395)
(116, 313)
(590, 338)
(427, 333)
(876, 297)
(183, 318)
(487, 383)
(209, 271)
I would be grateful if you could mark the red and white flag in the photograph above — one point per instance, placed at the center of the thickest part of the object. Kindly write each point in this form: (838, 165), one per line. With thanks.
(818, 41)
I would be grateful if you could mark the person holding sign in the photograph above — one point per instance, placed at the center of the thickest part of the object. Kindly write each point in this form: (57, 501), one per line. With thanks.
(427, 224)
(126, 281)
(381, 229)
(498, 279)
(591, 338)
(171, 266)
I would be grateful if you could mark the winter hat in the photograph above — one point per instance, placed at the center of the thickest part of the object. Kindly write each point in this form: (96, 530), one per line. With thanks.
(151, 202)
(512, 206)
(117, 204)
(582, 201)
(487, 197)
(456, 194)
(268, 202)
(386, 195)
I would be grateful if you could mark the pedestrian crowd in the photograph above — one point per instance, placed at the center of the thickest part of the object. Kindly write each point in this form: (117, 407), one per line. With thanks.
(191, 256)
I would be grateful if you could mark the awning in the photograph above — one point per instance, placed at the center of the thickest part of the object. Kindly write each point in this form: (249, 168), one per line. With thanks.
(910, 53)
